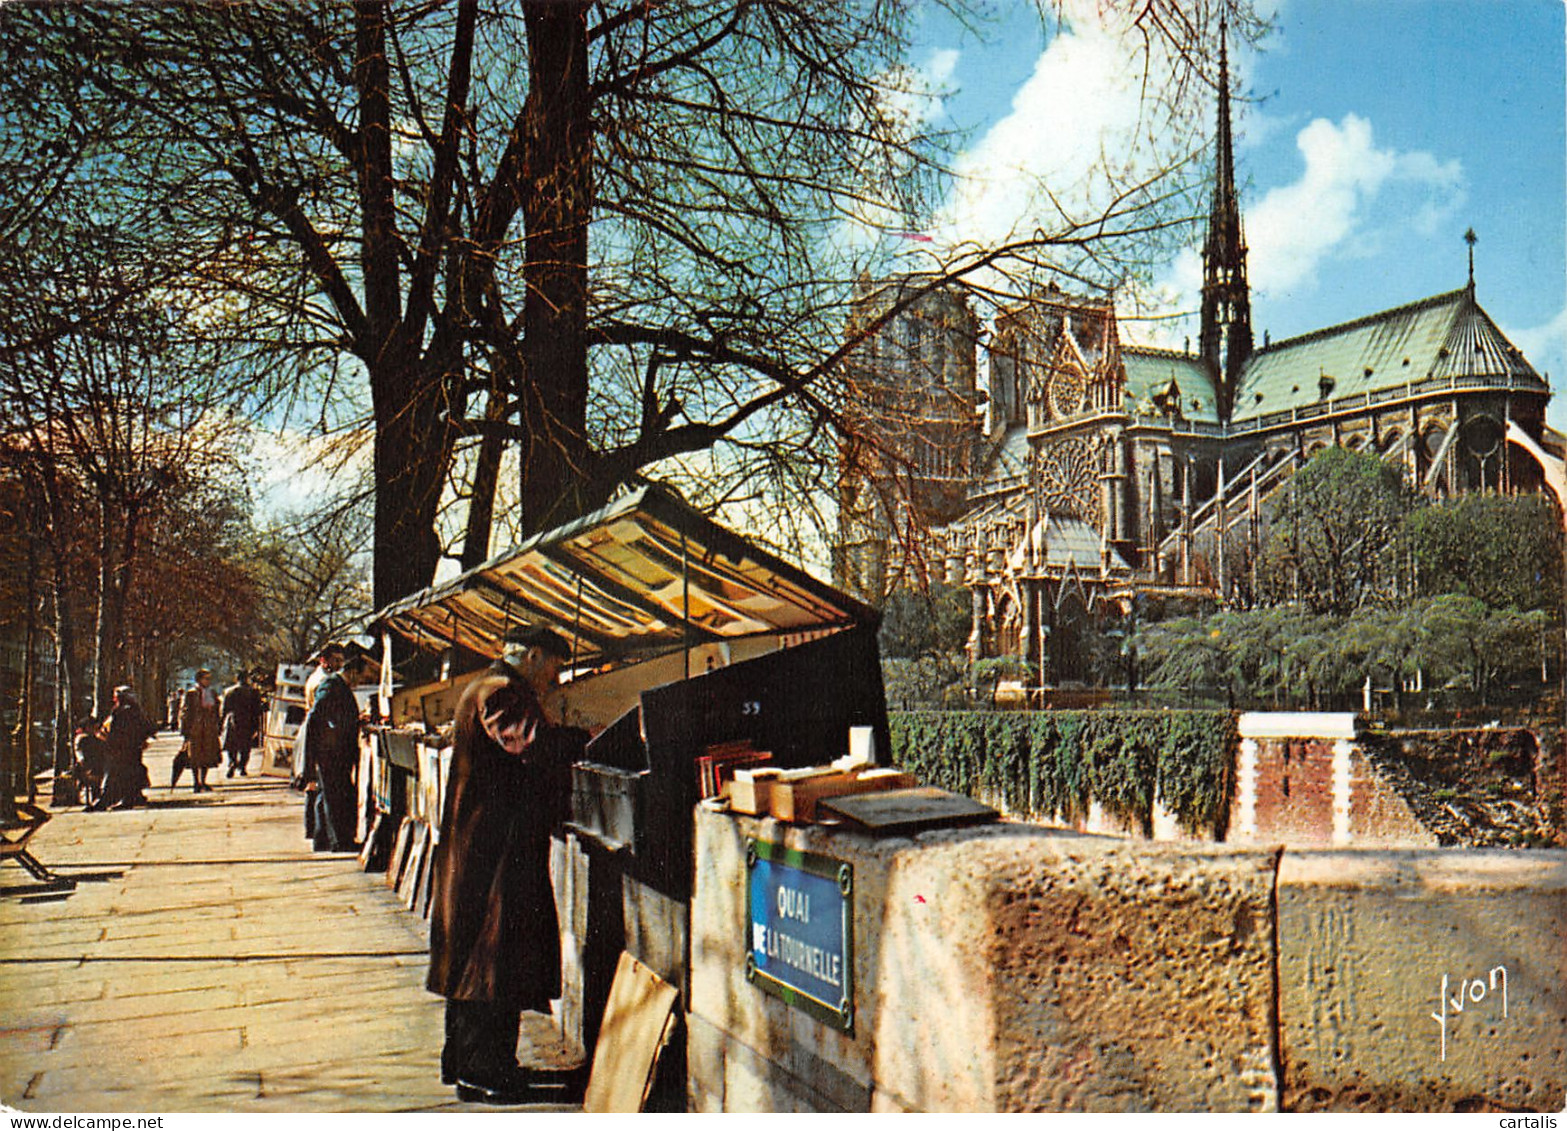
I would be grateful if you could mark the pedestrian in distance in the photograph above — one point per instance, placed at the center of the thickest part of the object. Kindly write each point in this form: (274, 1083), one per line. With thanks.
(125, 735)
(240, 715)
(331, 741)
(494, 937)
(92, 761)
(199, 725)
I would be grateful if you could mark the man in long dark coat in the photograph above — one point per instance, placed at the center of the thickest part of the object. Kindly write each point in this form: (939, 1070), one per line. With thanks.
(494, 937)
(240, 728)
(331, 732)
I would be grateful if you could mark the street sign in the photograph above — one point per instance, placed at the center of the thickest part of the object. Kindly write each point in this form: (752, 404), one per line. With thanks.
(800, 920)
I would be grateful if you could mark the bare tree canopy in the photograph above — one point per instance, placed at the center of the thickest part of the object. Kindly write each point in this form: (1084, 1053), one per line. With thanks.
(613, 234)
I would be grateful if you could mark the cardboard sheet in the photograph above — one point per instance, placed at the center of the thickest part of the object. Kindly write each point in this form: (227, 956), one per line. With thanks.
(637, 1024)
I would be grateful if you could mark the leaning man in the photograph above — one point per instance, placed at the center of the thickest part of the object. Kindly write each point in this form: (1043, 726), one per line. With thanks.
(494, 937)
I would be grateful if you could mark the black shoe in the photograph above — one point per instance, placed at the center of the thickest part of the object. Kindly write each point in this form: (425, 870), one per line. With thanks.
(509, 1094)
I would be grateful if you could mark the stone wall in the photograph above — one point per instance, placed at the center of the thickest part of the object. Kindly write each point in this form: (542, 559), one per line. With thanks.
(1314, 779)
(1369, 946)
(1016, 968)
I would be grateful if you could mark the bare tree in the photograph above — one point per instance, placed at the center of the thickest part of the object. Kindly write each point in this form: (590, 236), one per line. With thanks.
(311, 574)
(611, 233)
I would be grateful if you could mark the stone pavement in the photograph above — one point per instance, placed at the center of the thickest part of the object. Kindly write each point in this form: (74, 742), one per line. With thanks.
(209, 961)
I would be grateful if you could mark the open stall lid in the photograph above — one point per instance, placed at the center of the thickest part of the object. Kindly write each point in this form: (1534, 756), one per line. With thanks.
(645, 575)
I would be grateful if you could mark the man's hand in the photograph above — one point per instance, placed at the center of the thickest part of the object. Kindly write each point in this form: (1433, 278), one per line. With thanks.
(514, 736)
(510, 720)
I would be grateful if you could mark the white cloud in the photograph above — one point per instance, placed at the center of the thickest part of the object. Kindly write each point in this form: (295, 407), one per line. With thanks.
(1348, 197)
(294, 472)
(1080, 103)
(912, 96)
(1546, 348)
(917, 94)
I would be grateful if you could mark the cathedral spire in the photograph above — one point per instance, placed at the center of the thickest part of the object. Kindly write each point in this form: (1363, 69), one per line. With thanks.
(1225, 342)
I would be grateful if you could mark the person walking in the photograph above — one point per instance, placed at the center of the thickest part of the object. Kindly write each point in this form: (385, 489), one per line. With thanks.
(240, 716)
(331, 752)
(125, 734)
(494, 937)
(199, 725)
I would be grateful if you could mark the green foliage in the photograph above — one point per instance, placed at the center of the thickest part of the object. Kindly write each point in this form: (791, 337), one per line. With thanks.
(1197, 769)
(916, 624)
(926, 682)
(1460, 638)
(1289, 658)
(1054, 764)
(986, 676)
(1334, 532)
(1504, 550)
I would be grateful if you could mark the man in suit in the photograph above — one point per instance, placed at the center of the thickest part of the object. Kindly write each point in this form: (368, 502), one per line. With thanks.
(494, 938)
(328, 660)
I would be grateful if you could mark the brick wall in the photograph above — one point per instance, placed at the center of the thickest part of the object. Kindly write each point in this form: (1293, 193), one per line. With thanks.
(1317, 792)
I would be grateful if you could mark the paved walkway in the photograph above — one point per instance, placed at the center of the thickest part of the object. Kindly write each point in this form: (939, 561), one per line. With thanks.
(209, 961)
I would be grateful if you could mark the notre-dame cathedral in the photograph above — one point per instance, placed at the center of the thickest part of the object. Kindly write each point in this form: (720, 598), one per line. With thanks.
(1094, 470)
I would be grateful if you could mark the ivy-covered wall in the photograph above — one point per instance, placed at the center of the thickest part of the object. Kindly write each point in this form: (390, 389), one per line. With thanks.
(1051, 765)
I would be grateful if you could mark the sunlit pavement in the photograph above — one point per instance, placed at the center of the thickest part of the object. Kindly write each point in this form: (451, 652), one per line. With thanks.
(208, 960)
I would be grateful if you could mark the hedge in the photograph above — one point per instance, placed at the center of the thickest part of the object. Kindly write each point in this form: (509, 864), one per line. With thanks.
(1053, 764)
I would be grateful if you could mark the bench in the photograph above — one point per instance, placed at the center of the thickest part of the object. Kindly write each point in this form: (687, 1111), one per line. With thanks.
(16, 829)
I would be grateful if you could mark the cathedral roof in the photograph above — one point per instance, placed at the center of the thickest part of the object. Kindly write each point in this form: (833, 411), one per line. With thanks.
(1149, 373)
(1062, 541)
(1437, 338)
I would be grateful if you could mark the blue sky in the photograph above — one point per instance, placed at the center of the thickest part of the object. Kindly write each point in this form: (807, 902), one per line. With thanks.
(1375, 133)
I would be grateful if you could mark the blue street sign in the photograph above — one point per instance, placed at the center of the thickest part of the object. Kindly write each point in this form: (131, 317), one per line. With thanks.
(800, 918)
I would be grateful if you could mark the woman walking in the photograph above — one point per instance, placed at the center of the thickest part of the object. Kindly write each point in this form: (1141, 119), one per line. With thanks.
(199, 725)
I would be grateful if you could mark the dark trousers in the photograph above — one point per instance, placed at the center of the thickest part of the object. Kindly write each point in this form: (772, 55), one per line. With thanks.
(481, 1041)
(239, 760)
(336, 820)
(123, 783)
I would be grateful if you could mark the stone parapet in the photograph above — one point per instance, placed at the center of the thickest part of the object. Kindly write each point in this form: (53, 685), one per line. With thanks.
(1001, 968)
(1423, 981)
(1011, 967)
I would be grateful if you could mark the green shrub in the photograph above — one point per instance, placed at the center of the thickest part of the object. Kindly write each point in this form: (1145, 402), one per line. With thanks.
(1054, 764)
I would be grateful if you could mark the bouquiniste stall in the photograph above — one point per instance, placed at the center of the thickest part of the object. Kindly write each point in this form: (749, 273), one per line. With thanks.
(694, 653)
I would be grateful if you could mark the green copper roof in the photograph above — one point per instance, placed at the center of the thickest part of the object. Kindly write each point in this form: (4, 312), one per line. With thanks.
(1441, 337)
(1149, 373)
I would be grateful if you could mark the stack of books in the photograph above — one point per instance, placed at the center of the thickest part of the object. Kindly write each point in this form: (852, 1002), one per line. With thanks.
(717, 765)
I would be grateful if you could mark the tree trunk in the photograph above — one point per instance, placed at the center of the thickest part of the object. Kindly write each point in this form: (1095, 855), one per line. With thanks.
(482, 487)
(114, 575)
(67, 679)
(103, 687)
(558, 479)
(412, 443)
(23, 747)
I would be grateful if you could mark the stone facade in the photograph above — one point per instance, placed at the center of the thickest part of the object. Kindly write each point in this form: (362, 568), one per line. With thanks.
(1100, 470)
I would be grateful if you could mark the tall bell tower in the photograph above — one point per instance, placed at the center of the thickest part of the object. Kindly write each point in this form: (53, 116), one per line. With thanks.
(1225, 342)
